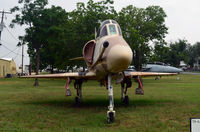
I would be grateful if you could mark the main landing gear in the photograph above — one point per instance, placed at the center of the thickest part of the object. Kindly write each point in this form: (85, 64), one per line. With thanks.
(67, 90)
(110, 112)
(139, 90)
(124, 96)
(78, 87)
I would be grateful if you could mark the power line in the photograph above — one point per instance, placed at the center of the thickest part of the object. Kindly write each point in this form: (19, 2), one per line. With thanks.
(11, 33)
(7, 43)
(16, 54)
(11, 51)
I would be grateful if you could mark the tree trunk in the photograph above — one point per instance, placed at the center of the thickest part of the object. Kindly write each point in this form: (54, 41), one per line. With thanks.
(137, 61)
(37, 66)
(52, 69)
(30, 67)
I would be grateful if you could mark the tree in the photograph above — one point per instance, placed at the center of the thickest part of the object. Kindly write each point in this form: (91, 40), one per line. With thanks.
(29, 15)
(179, 52)
(53, 24)
(194, 53)
(45, 31)
(160, 52)
(140, 26)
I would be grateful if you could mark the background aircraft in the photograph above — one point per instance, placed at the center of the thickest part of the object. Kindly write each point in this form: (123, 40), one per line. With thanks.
(160, 67)
(107, 58)
(157, 67)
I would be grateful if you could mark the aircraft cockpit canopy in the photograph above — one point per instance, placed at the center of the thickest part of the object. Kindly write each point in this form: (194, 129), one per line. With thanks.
(109, 27)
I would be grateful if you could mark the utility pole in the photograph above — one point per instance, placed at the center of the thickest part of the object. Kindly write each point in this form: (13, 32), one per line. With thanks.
(22, 59)
(2, 24)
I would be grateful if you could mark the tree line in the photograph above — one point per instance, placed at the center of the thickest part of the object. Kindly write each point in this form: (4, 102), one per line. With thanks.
(174, 52)
(54, 36)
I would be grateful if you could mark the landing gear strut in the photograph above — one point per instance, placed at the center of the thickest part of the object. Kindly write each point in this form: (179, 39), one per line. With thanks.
(78, 87)
(139, 90)
(124, 96)
(110, 112)
(67, 90)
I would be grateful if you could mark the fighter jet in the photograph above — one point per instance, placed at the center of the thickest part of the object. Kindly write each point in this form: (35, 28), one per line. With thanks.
(160, 67)
(107, 57)
(157, 67)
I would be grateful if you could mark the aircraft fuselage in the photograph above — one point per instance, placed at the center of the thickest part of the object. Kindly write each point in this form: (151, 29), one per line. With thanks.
(116, 57)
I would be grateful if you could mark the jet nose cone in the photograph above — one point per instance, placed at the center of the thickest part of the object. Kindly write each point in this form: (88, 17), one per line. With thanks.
(119, 58)
(179, 70)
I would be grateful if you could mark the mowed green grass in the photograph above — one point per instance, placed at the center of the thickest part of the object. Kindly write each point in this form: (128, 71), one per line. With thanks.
(168, 105)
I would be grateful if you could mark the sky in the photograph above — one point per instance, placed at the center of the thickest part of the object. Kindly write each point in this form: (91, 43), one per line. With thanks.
(183, 22)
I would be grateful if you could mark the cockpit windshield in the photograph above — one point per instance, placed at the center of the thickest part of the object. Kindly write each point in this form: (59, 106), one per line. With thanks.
(109, 27)
(104, 31)
(112, 29)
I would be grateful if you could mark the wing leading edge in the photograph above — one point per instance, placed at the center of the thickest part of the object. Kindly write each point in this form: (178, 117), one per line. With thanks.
(75, 75)
(143, 74)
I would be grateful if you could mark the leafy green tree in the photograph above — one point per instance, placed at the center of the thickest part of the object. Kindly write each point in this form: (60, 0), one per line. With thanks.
(28, 14)
(160, 52)
(140, 26)
(179, 52)
(45, 32)
(194, 53)
(53, 23)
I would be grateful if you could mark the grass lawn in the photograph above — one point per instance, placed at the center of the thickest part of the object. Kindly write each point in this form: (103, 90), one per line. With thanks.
(168, 105)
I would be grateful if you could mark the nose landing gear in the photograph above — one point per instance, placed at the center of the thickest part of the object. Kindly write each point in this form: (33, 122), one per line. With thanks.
(111, 116)
(110, 112)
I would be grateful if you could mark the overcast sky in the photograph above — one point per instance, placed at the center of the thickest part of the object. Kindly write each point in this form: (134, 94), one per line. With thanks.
(183, 21)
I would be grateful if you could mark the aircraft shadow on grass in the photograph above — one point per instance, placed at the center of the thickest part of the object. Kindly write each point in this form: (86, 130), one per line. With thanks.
(93, 103)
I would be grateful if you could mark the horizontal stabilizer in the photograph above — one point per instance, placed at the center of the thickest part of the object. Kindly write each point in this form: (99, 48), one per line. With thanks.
(77, 58)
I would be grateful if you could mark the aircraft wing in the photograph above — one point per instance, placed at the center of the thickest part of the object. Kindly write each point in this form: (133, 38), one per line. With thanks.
(74, 75)
(143, 74)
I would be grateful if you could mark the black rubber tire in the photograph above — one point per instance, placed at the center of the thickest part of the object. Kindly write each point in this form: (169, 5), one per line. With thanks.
(126, 100)
(111, 117)
(77, 101)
